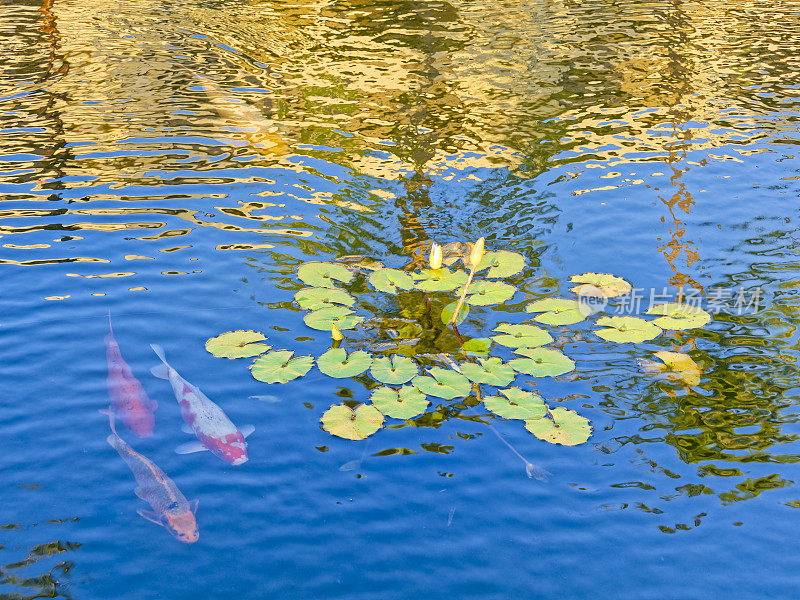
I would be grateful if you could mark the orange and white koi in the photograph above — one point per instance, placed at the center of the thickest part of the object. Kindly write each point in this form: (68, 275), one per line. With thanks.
(128, 398)
(214, 430)
(171, 510)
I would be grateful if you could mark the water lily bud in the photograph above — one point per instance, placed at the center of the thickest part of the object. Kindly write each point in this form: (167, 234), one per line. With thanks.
(335, 333)
(436, 257)
(476, 256)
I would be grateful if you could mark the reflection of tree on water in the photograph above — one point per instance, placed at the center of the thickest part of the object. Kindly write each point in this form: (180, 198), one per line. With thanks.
(40, 106)
(732, 425)
(50, 584)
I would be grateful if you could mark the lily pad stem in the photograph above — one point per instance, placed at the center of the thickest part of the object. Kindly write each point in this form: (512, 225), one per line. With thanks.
(460, 340)
(463, 295)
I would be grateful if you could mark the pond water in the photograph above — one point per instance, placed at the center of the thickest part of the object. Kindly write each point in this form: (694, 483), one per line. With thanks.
(174, 162)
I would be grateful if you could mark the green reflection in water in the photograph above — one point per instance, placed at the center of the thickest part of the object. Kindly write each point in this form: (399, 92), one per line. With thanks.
(16, 585)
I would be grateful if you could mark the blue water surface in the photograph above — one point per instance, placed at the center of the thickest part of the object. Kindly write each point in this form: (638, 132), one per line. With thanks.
(173, 164)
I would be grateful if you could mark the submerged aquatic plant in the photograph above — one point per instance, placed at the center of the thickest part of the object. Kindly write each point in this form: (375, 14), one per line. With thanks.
(408, 349)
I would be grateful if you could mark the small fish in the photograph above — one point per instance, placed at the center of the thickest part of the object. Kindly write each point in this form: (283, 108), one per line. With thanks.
(353, 465)
(266, 398)
(214, 430)
(534, 472)
(171, 510)
(128, 398)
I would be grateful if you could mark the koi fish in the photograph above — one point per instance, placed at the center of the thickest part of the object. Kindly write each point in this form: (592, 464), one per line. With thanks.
(214, 430)
(128, 398)
(265, 140)
(171, 510)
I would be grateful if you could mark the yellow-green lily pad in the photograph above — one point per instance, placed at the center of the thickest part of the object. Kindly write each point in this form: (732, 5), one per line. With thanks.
(477, 345)
(518, 336)
(679, 316)
(314, 298)
(336, 363)
(443, 383)
(440, 280)
(490, 371)
(516, 404)
(323, 274)
(627, 329)
(566, 427)
(389, 280)
(501, 263)
(344, 422)
(323, 318)
(486, 293)
(394, 369)
(600, 285)
(237, 344)
(542, 362)
(447, 313)
(559, 311)
(676, 365)
(279, 366)
(406, 402)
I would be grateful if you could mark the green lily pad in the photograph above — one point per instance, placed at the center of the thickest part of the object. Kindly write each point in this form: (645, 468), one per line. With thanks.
(477, 345)
(517, 336)
(336, 363)
(440, 280)
(340, 316)
(491, 371)
(237, 344)
(406, 402)
(447, 313)
(394, 369)
(676, 365)
(566, 427)
(516, 404)
(486, 293)
(344, 422)
(627, 329)
(323, 274)
(600, 285)
(542, 362)
(314, 298)
(388, 280)
(279, 366)
(501, 263)
(443, 383)
(559, 311)
(679, 316)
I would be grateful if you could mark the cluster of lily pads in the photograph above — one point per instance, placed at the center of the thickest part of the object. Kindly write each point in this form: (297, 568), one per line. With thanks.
(410, 345)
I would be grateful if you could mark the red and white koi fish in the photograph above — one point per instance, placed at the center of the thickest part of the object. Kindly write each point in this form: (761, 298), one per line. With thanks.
(171, 510)
(128, 398)
(214, 430)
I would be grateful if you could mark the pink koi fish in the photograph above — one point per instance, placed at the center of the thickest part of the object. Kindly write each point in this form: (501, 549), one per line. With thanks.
(214, 430)
(128, 398)
(171, 510)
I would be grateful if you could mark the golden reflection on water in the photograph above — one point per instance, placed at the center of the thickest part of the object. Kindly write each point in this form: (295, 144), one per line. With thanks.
(119, 97)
